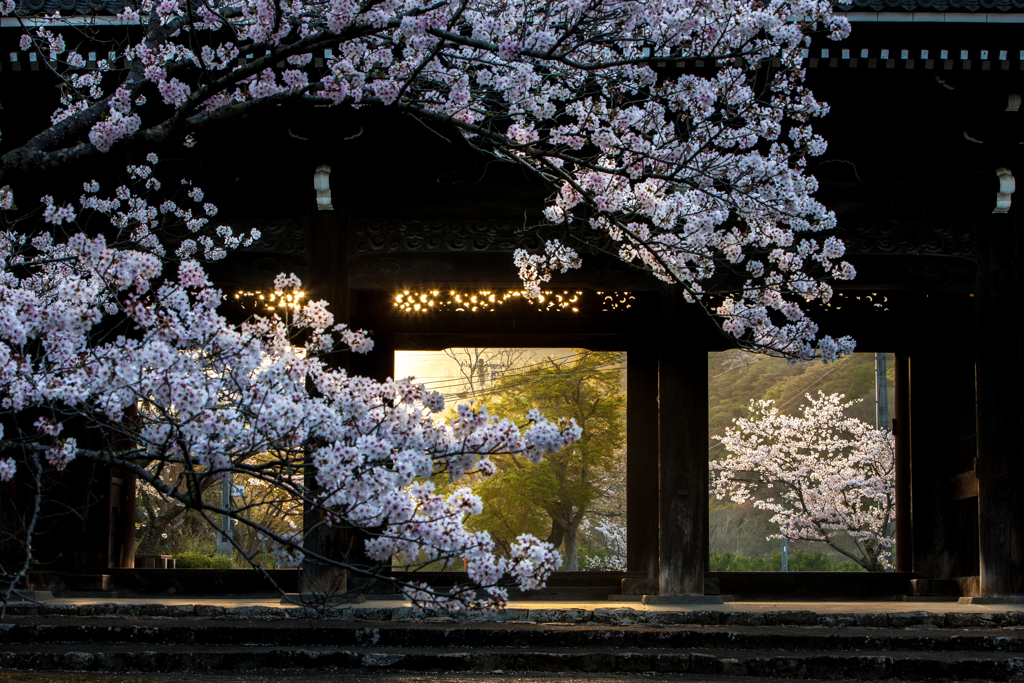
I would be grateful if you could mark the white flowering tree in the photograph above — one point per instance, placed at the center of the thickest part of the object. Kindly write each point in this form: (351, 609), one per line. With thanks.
(614, 555)
(693, 174)
(111, 334)
(697, 176)
(827, 477)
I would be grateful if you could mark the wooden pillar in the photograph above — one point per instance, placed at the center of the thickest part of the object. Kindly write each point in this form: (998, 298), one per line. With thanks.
(328, 280)
(378, 364)
(928, 463)
(943, 441)
(683, 449)
(642, 457)
(1000, 466)
(904, 560)
(121, 539)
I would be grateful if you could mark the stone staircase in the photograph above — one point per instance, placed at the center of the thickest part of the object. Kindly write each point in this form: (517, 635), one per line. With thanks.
(783, 644)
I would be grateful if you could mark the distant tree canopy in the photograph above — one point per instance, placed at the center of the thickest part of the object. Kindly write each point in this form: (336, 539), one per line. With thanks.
(553, 498)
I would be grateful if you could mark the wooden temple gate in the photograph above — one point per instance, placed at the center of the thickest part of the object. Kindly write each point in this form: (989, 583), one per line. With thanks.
(924, 138)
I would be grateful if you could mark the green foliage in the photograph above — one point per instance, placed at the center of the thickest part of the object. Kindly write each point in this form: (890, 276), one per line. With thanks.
(551, 499)
(192, 560)
(799, 561)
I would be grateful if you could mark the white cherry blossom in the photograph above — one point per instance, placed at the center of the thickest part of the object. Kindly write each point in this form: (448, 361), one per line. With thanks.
(688, 170)
(825, 475)
(113, 335)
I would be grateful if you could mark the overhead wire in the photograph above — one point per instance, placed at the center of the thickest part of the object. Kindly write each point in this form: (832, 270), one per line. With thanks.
(520, 372)
(503, 388)
(460, 382)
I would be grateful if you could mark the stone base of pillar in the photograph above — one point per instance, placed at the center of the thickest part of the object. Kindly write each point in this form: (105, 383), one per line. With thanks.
(639, 586)
(318, 599)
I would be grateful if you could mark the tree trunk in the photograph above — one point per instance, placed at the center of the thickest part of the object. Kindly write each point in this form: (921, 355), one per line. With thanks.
(154, 529)
(572, 557)
(557, 531)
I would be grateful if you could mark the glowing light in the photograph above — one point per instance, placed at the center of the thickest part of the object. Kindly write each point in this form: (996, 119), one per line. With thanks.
(490, 300)
(269, 300)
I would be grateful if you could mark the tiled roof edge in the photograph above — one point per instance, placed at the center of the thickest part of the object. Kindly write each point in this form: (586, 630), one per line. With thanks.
(932, 5)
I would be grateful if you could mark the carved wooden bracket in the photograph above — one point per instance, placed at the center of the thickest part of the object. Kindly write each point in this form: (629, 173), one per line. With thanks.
(322, 185)
(1007, 184)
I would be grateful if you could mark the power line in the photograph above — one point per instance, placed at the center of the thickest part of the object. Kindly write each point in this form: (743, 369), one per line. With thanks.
(738, 367)
(523, 372)
(461, 382)
(541, 380)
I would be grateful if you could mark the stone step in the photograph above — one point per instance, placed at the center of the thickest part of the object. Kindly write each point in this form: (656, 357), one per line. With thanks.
(863, 665)
(152, 638)
(440, 634)
(616, 616)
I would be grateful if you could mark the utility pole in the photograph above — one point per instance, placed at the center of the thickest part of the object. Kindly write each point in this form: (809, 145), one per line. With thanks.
(881, 394)
(223, 538)
(882, 417)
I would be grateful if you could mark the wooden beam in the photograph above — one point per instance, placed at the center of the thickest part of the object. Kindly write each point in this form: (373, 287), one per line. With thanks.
(393, 271)
(447, 340)
(683, 448)
(813, 585)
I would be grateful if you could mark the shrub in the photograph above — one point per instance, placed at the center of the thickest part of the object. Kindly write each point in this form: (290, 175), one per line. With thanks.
(799, 561)
(200, 561)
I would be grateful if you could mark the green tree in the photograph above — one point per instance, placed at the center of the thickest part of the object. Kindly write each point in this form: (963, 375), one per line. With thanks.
(555, 496)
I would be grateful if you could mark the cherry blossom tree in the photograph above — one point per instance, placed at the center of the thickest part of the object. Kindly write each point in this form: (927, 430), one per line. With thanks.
(113, 334)
(108, 319)
(614, 556)
(826, 476)
(697, 174)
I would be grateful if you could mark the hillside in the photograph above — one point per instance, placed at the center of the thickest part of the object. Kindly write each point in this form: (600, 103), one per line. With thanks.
(736, 378)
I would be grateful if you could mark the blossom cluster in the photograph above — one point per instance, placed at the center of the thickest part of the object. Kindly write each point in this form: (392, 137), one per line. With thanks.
(823, 474)
(117, 334)
(615, 544)
(692, 173)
